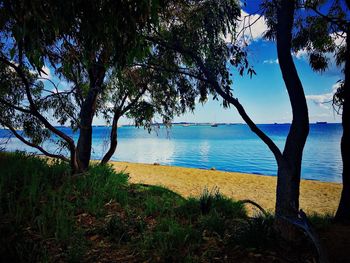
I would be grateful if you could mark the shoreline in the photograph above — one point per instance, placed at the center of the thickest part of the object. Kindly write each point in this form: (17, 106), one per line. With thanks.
(315, 196)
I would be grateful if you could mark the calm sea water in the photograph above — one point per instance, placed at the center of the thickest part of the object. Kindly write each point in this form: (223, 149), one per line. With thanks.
(226, 147)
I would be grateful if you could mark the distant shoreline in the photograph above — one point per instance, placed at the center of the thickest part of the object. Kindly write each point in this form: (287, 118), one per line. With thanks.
(200, 124)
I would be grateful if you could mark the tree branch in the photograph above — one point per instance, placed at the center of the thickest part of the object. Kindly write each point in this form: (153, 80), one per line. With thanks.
(10, 105)
(33, 108)
(341, 24)
(21, 138)
(135, 100)
(266, 139)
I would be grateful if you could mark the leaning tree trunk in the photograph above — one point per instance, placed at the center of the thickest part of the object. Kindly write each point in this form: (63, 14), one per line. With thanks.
(343, 212)
(87, 113)
(113, 139)
(287, 196)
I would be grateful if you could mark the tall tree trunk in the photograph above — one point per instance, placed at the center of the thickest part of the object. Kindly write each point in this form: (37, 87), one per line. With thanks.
(287, 197)
(343, 212)
(85, 136)
(113, 139)
(87, 113)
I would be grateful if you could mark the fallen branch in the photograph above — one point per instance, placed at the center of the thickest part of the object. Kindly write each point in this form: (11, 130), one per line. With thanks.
(247, 201)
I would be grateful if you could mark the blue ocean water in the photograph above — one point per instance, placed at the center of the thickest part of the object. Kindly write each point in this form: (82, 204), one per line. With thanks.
(226, 147)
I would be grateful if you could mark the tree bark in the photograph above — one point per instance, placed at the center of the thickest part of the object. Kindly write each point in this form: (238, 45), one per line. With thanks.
(113, 139)
(87, 112)
(289, 170)
(343, 212)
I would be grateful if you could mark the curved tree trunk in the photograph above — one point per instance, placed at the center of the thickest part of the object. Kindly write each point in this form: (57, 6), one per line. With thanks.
(287, 196)
(343, 212)
(113, 140)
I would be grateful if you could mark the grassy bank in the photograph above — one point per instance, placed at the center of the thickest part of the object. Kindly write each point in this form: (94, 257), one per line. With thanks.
(46, 215)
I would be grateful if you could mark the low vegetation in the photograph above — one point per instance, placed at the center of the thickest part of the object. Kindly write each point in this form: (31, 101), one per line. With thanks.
(46, 215)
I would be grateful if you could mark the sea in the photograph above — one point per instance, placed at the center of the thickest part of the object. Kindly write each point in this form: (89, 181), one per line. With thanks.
(227, 147)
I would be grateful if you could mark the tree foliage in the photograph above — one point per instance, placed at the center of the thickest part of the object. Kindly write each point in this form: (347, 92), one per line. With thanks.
(82, 42)
(112, 61)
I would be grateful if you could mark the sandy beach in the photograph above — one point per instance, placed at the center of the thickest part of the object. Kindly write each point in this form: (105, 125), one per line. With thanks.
(316, 197)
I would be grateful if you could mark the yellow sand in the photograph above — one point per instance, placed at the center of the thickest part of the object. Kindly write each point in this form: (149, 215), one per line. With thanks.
(315, 196)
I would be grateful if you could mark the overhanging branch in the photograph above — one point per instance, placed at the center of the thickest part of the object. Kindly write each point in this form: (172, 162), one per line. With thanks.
(41, 149)
(211, 80)
(33, 109)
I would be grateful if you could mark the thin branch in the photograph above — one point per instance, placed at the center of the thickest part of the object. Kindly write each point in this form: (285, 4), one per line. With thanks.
(181, 71)
(10, 105)
(135, 100)
(341, 24)
(119, 108)
(249, 26)
(33, 108)
(266, 139)
(41, 149)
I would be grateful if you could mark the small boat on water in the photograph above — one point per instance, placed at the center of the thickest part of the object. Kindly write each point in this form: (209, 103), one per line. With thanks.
(321, 122)
(214, 125)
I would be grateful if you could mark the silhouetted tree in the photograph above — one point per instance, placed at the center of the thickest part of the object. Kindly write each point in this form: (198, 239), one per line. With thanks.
(289, 169)
(143, 93)
(83, 41)
(197, 38)
(325, 31)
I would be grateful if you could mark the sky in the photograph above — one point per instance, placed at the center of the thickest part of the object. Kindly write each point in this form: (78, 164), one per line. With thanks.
(264, 96)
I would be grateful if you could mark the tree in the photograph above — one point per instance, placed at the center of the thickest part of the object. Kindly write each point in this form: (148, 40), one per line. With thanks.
(82, 41)
(343, 212)
(142, 93)
(187, 41)
(324, 31)
(288, 182)
(197, 39)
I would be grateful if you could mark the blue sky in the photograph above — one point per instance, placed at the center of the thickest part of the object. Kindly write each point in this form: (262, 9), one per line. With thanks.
(264, 96)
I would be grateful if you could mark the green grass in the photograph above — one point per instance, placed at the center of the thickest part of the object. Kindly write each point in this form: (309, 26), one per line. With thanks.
(40, 198)
(46, 213)
(321, 220)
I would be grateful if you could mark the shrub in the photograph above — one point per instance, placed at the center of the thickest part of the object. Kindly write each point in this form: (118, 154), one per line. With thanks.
(257, 232)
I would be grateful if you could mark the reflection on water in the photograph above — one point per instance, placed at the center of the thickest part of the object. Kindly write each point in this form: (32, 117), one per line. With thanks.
(148, 150)
(229, 148)
(204, 149)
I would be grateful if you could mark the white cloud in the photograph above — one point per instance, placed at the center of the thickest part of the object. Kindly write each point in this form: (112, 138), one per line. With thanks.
(339, 38)
(301, 54)
(271, 61)
(45, 72)
(322, 100)
(250, 28)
